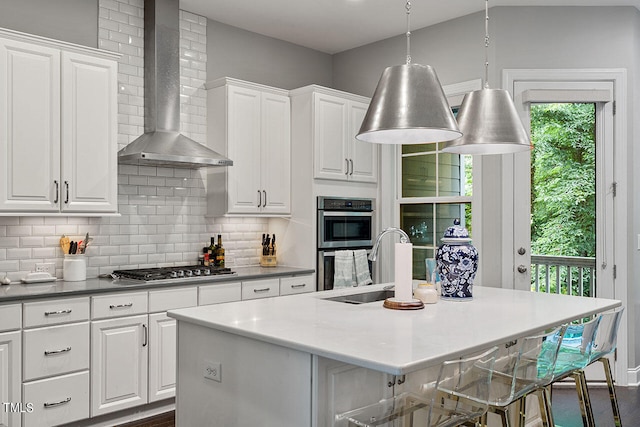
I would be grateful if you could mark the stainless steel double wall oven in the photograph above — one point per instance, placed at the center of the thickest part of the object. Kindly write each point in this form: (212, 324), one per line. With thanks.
(343, 223)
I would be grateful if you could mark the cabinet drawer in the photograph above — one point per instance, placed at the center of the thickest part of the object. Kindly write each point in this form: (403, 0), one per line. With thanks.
(296, 285)
(10, 317)
(57, 400)
(169, 299)
(117, 305)
(55, 350)
(260, 288)
(53, 312)
(216, 294)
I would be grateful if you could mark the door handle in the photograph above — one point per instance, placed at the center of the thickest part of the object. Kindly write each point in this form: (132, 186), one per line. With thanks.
(265, 198)
(347, 161)
(259, 199)
(351, 163)
(66, 201)
(522, 269)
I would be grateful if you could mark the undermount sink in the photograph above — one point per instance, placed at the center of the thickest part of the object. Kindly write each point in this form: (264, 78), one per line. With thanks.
(364, 297)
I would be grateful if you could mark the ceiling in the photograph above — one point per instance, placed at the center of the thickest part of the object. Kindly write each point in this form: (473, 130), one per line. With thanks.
(333, 26)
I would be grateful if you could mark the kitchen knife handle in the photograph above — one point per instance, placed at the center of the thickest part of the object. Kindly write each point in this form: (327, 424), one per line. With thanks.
(351, 163)
(259, 199)
(66, 201)
(55, 181)
(347, 161)
(265, 198)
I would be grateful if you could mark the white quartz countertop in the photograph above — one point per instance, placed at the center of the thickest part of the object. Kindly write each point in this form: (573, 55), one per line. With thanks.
(393, 341)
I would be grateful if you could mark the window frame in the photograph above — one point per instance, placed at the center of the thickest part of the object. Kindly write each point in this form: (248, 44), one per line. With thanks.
(455, 94)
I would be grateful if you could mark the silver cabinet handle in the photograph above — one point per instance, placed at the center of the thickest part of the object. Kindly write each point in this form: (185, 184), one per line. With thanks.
(113, 307)
(57, 191)
(146, 336)
(347, 161)
(265, 198)
(351, 163)
(259, 199)
(50, 352)
(51, 313)
(298, 286)
(62, 402)
(66, 201)
(261, 290)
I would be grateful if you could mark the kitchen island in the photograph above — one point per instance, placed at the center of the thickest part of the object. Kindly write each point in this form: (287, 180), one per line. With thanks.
(299, 360)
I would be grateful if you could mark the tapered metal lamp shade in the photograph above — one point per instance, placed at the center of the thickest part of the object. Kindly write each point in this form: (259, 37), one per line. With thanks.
(408, 107)
(490, 125)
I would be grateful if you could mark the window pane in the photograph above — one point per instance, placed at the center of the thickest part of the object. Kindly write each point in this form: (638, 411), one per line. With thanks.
(419, 176)
(449, 169)
(417, 222)
(425, 223)
(418, 148)
(447, 212)
(419, 257)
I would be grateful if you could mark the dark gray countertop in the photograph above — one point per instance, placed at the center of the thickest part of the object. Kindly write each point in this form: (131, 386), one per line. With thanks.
(18, 291)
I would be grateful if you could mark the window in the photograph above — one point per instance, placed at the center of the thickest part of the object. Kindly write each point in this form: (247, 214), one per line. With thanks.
(436, 188)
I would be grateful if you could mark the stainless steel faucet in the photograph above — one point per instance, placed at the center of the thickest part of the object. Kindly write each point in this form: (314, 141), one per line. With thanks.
(404, 238)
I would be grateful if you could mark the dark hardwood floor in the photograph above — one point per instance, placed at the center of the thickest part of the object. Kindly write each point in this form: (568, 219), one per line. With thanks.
(564, 402)
(566, 411)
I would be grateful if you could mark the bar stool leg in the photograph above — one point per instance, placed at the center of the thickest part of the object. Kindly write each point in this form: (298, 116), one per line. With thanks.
(583, 398)
(544, 401)
(612, 392)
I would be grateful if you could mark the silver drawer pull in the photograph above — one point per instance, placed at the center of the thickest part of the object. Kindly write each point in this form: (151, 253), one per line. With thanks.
(50, 352)
(262, 290)
(51, 313)
(298, 286)
(62, 402)
(130, 304)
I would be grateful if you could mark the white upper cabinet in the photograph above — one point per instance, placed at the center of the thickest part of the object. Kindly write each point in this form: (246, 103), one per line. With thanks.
(336, 119)
(250, 124)
(58, 128)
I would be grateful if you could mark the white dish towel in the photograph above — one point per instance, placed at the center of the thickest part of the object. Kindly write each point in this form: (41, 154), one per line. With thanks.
(344, 274)
(363, 276)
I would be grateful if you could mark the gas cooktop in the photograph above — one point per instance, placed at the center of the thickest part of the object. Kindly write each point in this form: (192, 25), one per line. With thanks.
(180, 274)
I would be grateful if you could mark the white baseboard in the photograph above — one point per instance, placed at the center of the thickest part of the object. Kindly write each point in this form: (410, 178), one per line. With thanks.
(633, 377)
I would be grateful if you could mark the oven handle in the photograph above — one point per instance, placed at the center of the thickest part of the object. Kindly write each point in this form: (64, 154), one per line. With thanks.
(347, 213)
(333, 253)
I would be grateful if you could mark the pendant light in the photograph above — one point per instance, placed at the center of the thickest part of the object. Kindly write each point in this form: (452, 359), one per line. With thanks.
(408, 106)
(488, 119)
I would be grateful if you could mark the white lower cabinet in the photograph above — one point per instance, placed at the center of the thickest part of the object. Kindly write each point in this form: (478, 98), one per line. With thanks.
(162, 357)
(57, 400)
(217, 294)
(119, 361)
(262, 288)
(296, 285)
(55, 361)
(10, 369)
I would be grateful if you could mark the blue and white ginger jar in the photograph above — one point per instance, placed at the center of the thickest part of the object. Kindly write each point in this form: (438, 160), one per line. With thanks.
(457, 261)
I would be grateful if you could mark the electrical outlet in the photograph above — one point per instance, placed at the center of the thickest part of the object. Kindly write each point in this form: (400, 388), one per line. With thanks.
(213, 370)
(48, 267)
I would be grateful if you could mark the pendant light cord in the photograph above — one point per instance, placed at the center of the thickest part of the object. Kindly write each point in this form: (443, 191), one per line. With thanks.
(408, 8)
(486, 44)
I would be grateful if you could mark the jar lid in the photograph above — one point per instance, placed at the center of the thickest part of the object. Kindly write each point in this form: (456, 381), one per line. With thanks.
(426, 285)
(456, 232)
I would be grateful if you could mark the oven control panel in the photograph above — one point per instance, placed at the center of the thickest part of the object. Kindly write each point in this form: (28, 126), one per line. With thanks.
(345, 204)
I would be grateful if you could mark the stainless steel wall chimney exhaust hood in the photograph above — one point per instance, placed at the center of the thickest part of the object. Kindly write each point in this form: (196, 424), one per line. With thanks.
(162, 144)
